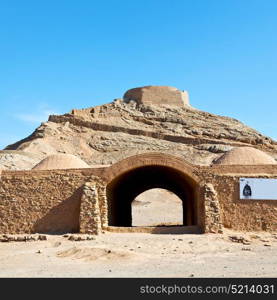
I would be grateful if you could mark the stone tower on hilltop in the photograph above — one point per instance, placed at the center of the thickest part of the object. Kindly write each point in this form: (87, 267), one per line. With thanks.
(157, 95)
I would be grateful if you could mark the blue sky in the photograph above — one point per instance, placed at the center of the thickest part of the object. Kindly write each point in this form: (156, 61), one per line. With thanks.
(59, 55)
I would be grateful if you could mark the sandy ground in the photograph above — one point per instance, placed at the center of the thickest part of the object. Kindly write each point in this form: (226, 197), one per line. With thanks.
(157, 207)
(142, 255)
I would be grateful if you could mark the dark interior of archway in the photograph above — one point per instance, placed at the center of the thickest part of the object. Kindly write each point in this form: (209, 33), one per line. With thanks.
(125, 188)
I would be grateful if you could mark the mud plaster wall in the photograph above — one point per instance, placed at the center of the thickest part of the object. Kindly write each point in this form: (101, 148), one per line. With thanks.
(248, 215)
(75, 200)
(50, 202)
(157, 95)
(218, 200)
(236, 214)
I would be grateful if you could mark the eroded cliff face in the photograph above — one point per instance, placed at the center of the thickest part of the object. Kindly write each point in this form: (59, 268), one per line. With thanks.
(110, 132)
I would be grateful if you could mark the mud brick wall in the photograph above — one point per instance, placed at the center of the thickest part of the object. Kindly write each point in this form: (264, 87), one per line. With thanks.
(219, 200)
(90, 212)
(212, 215)
(246, 215)
(157, 95)
(60, 201)
(44, 201)
(236, 214)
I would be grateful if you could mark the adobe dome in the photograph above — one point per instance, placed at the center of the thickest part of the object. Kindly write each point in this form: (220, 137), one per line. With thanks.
(157, 95)
(245, 156)
(61, 161)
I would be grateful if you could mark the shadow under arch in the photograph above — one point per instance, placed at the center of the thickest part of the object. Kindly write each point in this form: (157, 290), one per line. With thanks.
(134, 175)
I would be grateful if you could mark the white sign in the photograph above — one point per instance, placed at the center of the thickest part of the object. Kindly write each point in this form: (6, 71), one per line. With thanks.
(258, 188)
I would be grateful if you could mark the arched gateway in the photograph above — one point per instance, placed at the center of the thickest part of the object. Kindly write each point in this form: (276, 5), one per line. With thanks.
(134, 175)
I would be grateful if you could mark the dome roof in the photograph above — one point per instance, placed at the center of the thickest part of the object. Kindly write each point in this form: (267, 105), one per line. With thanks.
(61, 161)
(245, 156)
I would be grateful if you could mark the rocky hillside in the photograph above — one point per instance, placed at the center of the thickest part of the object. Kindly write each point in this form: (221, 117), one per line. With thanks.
(104, 134)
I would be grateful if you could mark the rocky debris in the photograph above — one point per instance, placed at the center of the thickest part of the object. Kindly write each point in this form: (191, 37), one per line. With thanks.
(75, 238)
(105, 134)
(246, 249)
(254, 236)
(21, 239)
(78, 238)
(214, 148)
(239, 239)
(57, 244)
(25, 238)
(42, 237)
(28, 238)
(212, 208)
(4, 239)
(18, 160)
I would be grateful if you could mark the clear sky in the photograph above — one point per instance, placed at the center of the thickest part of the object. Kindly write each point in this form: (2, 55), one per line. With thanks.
(58, 55)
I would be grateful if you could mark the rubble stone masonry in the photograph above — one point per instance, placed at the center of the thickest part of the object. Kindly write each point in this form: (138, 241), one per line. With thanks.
(49, 202)
(61, 201)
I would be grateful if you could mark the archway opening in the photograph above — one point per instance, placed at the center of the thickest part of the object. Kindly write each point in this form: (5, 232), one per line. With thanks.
(157, 207)
(123, 189)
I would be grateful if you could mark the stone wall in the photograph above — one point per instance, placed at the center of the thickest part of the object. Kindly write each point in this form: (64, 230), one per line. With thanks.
(213, 222)
(157, 95)
(60, 201)
(246, 215)
(93, 212)
(49, 202)
(219, 192)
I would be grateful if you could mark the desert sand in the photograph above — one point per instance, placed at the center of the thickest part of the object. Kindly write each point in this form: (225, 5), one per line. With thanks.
(143, 255)
(231, 254)
(157, 207)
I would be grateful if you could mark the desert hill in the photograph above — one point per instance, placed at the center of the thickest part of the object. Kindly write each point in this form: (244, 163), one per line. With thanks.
(107, 133)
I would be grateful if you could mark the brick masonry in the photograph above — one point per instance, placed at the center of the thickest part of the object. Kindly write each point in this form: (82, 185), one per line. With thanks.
(60, 201)
(49, 201)
(213, 222)
(157, 95)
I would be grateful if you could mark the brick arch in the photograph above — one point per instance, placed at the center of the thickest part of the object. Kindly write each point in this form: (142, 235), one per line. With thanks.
(136, 174)
(148, 159)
